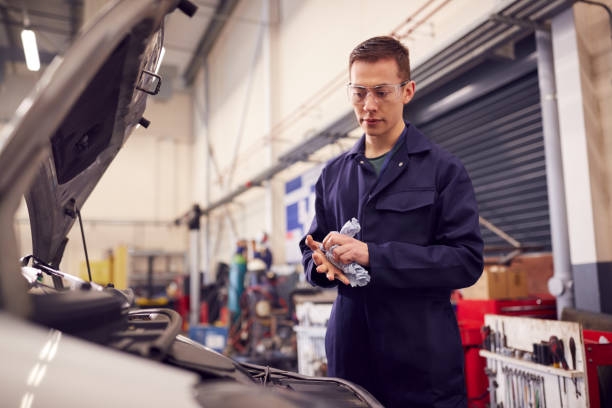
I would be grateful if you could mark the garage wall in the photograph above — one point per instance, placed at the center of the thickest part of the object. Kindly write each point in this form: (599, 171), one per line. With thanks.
(583, 71)
(595, 55)
(146, 187)
(276, 76)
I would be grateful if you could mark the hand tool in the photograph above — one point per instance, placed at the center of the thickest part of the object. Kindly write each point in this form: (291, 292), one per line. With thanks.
(535, 383)
(544, 391)
(496, 338)
(526, 389)
(486, 336)
(542, 354)
(572, 347)
(506, 386)
(560, 395)
(492, 374)
(521, 385)
(556, 348)
(578, 393)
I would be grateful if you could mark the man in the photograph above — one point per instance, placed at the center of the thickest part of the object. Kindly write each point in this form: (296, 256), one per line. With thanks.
(397, 336)
(238, 269)
(261, 250)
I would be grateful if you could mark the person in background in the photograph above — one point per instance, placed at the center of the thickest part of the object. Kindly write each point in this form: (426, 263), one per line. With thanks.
(259, 267)
(261, 250)
(238, 269)
(397, 336)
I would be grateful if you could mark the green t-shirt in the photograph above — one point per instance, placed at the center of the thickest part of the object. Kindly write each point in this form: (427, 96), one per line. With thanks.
(377, 163)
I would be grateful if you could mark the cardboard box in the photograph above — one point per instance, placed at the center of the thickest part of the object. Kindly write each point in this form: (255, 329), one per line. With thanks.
(526, 276)
(538, 269)
(517, 283)
(493, 284)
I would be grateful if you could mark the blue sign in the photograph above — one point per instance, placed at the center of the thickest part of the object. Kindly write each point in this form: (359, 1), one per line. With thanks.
(299, 210)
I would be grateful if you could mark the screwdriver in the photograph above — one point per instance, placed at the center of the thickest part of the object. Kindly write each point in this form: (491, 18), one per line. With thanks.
(572, 347)
(556, 349)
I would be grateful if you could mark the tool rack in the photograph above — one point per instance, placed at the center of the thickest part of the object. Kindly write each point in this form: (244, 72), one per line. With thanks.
(516, 380)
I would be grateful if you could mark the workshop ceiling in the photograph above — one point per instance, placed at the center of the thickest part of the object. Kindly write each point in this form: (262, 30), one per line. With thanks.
(187, 41)
(55, 23)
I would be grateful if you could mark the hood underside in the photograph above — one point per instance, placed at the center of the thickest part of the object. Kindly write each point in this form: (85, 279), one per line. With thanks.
(65, 134)
(87, 140)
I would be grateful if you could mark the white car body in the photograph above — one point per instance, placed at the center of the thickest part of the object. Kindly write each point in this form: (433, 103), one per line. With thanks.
(45, 368)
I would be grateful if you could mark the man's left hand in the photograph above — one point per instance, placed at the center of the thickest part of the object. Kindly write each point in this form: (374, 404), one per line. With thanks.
(323, 264)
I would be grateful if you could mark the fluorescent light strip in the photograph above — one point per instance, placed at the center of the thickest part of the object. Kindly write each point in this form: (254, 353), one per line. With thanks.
(30, 49)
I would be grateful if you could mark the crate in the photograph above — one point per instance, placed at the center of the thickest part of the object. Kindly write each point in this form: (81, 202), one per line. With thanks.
(311, 350)
(214, 337)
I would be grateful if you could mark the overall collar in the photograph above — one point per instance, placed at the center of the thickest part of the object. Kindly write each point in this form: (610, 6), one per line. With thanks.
(411, 141)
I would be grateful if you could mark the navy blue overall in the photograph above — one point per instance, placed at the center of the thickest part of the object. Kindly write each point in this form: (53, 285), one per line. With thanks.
(398, 336)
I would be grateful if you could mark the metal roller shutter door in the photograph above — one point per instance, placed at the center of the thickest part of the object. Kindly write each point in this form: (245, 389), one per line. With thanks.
(498, 137)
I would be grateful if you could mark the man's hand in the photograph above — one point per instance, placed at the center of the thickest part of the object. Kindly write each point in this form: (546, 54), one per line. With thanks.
(348, 249)
(323, 264)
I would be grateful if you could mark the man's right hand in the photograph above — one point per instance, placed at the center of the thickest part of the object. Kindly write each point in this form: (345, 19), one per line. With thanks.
(323, 264)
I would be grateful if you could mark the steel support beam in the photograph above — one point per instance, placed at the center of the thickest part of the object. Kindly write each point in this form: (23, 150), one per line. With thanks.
(222, 13)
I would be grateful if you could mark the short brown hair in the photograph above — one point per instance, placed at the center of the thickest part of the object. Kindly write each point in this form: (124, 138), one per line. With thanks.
(377, 48)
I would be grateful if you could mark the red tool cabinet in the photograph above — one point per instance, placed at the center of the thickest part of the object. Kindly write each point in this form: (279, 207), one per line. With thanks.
(476, 381)
(538, 307)
(599, 367)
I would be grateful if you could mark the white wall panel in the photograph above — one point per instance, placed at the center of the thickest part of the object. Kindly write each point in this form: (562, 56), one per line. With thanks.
(574, 140)
(297, 84)
(315, 40)
(146, 186)
(236, 94)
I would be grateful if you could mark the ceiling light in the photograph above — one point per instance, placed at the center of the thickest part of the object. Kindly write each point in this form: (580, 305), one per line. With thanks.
(30, 49)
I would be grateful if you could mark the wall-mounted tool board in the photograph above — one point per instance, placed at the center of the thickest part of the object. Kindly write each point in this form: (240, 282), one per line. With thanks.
(517, 380)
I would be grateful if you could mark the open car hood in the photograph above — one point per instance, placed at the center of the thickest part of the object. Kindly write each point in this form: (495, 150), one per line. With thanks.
(54, 151)
(67, 131)
(90, 135)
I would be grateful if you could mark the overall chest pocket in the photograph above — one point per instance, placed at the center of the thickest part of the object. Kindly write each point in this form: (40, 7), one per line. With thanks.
(408, 200)
(406, 216)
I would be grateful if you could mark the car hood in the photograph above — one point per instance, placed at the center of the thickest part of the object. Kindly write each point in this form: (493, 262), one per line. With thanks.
(67, 131)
